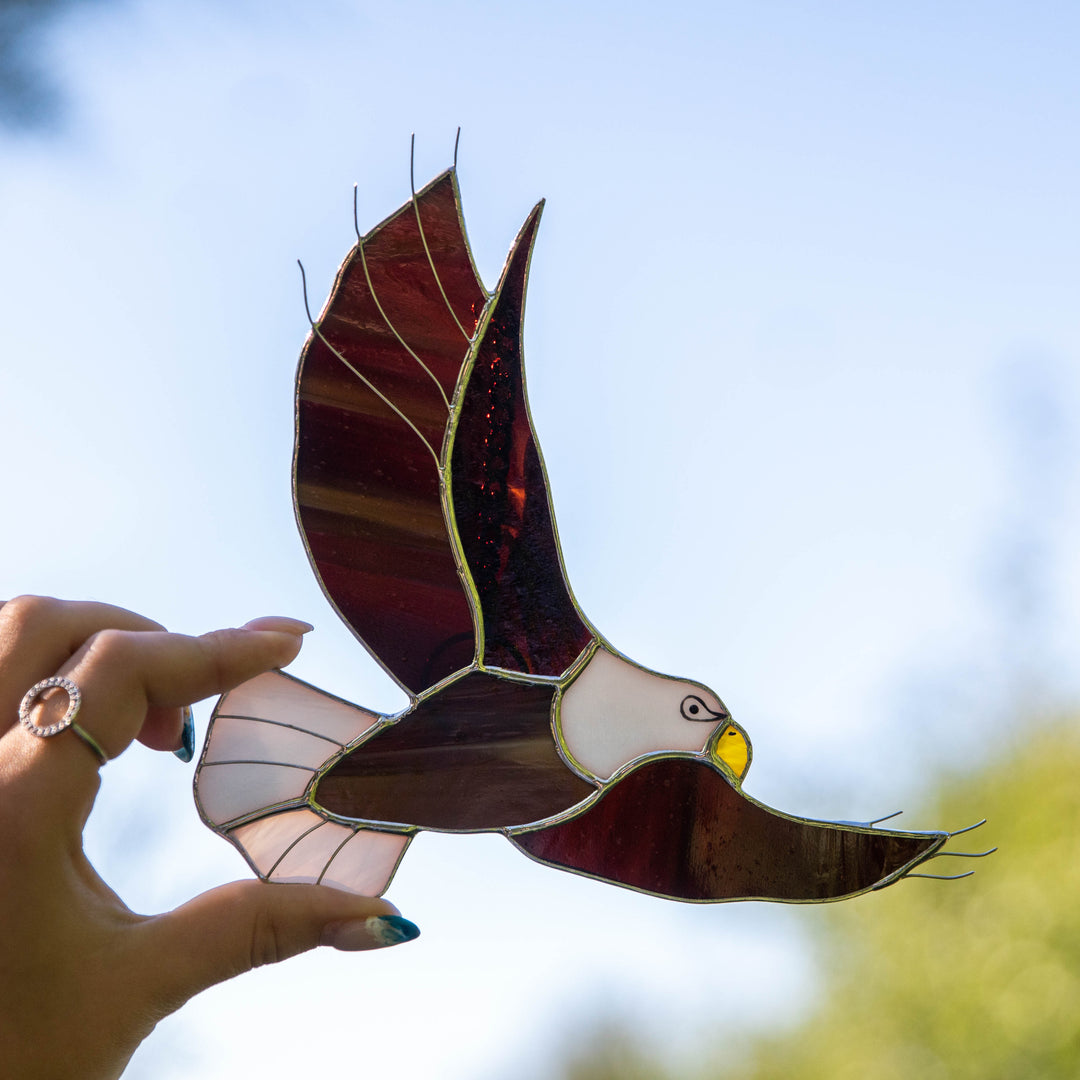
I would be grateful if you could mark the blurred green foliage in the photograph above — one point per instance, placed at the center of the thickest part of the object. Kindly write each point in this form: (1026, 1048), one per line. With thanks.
(975, 979)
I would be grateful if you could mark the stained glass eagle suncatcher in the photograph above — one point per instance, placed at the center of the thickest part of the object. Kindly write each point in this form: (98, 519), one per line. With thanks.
(423, 502)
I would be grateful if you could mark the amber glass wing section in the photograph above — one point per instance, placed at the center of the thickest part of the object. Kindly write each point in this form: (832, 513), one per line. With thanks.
(397, 324)
(676, 827)
(501, 503)
(479, 754)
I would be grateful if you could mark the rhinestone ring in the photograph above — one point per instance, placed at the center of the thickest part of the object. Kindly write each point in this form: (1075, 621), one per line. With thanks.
(68, 721)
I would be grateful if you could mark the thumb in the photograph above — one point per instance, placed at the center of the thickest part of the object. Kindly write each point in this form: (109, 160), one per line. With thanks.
(237, 927)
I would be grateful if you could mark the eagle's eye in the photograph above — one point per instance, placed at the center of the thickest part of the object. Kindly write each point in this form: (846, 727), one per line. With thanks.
(693, 708)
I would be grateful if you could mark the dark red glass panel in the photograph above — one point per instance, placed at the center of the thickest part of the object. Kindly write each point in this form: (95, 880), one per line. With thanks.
(480, 754)
(501, 500)
(678, 828)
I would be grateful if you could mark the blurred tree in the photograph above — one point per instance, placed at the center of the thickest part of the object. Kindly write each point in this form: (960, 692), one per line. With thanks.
(28, 97)
(965, 980)
(610, 1051)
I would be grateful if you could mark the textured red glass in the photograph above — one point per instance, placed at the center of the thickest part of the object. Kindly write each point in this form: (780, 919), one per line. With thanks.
(501, 499)
(680, 828)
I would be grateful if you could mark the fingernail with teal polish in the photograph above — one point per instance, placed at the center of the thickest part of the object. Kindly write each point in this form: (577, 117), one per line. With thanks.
(392, 929)
(187, 748)
(375, 932)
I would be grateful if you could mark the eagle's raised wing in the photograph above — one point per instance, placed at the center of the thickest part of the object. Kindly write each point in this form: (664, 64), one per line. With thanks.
(501, 502)
(419, 487)
(374, 390)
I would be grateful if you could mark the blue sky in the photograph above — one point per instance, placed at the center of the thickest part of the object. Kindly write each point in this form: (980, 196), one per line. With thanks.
(802, 352)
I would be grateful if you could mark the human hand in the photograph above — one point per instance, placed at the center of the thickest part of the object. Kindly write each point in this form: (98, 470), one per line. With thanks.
(83, 979)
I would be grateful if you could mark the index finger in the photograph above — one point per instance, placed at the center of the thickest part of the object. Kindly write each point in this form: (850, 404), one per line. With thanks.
(122, 674)
(39, 633)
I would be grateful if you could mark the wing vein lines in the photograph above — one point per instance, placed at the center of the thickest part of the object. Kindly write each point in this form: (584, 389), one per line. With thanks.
(427, 250)
(317, 330)
(393, 329)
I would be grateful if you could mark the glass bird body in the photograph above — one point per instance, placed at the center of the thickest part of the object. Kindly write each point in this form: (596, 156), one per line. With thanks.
(424, 506)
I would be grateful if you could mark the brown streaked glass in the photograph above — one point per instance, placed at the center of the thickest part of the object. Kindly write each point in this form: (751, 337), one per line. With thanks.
(479, 754)
(678, 828)
(367, 488)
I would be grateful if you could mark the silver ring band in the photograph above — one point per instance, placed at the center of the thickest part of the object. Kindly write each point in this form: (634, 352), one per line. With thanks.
(67, 721)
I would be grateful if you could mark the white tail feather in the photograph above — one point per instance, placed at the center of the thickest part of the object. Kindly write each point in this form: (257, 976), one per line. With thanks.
(268, 739)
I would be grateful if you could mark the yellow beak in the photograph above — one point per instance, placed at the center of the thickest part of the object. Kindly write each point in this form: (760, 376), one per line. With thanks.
(730, 747)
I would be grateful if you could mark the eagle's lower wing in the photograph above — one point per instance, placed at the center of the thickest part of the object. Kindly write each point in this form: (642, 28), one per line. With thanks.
(376, 379)
(677, 827)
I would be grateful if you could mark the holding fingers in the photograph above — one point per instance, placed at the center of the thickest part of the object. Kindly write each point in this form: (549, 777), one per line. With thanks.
(110, 677)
